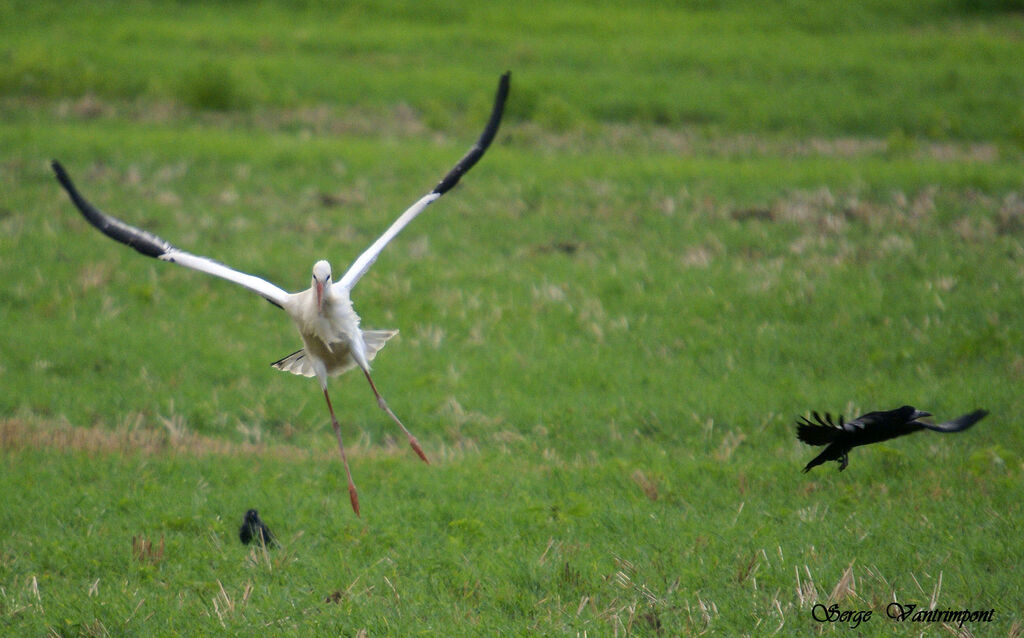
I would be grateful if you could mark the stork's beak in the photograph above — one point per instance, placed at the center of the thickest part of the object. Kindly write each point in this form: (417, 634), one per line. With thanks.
(319, 295)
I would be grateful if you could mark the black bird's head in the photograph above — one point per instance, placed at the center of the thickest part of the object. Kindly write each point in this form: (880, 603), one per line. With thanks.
(909, 413)
(914, 413)
(252, 517)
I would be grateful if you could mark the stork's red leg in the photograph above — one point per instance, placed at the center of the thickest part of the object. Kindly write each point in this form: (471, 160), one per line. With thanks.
(352, 495)
(384, 406)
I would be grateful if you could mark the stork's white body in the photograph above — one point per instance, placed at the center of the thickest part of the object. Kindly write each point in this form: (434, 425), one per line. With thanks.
(331, 337)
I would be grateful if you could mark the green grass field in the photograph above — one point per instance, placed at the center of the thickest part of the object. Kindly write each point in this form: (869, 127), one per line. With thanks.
(697, 223)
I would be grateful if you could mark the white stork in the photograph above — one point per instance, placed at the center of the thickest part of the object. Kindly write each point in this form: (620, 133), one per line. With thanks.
(329, 326)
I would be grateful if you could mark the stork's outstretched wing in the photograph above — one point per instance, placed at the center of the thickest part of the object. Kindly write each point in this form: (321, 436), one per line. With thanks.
(152, 246)
(365, 260)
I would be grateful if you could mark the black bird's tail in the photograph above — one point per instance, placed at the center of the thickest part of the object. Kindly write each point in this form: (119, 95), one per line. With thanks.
(818, 460)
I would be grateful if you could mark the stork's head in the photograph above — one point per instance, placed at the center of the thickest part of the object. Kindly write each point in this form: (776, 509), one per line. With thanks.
(321, 281)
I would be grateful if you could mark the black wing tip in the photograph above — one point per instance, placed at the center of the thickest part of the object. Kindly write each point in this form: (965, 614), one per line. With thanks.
(483, 142)
(62, 175)
(144, 242)
(960, 423)
(500, 97)
(87, 209)
(817, 435)
(974, 417)
(65, 180)
(503, 84)
(820, 420)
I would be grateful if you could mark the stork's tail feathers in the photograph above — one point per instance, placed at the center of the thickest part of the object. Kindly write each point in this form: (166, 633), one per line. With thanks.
(296, 363)
(299, 363)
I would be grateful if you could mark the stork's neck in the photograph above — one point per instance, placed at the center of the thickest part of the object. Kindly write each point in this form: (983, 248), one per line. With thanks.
(335, 299)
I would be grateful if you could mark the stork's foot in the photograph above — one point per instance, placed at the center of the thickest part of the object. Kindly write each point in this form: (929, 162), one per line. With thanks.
(353, 497)
(417, 449)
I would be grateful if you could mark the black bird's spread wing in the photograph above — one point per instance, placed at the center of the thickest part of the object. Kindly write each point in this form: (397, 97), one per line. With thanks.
(882, 420)
(152, 246)
(366, 259)
(958, 424)
(821, 431)
(867, 421)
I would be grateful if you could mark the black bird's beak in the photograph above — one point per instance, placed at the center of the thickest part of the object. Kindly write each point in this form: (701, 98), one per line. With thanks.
(919, 414)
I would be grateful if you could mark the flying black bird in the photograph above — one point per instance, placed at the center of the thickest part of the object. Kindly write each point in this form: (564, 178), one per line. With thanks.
(254, 529)
(870, 428)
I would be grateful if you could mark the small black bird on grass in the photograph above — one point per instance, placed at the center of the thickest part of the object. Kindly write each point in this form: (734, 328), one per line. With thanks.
(254, 529)
(870, 428)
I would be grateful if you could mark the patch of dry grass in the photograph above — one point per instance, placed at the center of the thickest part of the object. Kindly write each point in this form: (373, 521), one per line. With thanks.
(20, 434)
